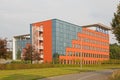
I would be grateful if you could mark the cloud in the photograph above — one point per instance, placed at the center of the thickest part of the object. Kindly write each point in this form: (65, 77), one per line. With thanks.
(16, 15)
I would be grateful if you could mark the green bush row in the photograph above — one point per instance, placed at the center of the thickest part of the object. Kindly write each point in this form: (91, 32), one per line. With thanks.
(22, 66)
(28, 65)
(35, 66)
(112, 61)
(20, 62)
(32, 66)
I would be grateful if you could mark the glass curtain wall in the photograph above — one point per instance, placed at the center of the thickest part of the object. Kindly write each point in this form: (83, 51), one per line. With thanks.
(62, 35)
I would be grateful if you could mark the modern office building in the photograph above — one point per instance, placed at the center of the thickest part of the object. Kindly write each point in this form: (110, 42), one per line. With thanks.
(87, 44)
(19, 43)
(90, 47)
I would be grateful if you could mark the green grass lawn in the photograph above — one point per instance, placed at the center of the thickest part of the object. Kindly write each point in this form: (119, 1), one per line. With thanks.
(34, 74)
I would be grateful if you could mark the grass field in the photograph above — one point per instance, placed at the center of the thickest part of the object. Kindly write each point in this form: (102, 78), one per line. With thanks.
(34, 74)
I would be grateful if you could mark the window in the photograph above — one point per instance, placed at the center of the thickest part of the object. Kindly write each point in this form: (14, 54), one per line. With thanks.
(64, 61)
(73, 53)
(69, 53)
(80, 54)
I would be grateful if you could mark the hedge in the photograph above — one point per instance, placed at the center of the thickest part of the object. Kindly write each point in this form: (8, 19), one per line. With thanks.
(23, 66)
(111, 61)
(35, 66)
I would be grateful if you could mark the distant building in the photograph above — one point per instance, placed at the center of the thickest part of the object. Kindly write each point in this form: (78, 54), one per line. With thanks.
(74, 44)
(9, 45)
(19, 43)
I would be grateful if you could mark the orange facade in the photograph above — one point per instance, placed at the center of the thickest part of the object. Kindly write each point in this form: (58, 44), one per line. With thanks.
(91, 47)
(42, 39)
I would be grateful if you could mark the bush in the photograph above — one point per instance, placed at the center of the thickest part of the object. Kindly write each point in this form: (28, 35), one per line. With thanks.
(2, 66)
(31, 66)
(20, 62)
(23, 66)
(111, 61)
(26, 65)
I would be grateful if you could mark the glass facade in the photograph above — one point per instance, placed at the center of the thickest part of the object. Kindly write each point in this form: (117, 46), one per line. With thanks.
(20, 44)
(62, 35)
(31, 33)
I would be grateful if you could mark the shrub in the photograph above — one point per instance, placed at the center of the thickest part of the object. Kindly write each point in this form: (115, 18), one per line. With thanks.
(17, 65)
(111, 61)
(2, 66)
(23, 65)
(20, 62)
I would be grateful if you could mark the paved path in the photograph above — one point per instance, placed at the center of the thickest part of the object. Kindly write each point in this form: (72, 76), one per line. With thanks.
(97, 75)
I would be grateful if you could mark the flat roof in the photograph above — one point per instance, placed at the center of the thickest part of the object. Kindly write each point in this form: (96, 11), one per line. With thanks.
(58, 20)
(21, 35)
(98, 24)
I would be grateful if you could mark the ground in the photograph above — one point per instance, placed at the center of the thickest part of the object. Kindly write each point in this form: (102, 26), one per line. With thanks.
(36, 74)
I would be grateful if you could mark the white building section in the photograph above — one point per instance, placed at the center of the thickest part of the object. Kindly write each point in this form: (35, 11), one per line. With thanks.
(14, 53)
(19, 43)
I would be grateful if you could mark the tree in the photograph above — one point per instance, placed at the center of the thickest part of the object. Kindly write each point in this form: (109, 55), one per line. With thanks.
(116, 24)
(114, 51)
(27, 52)
(3, 48)
(36, 56)
(9, 55)
(56, 58)
(18, 54)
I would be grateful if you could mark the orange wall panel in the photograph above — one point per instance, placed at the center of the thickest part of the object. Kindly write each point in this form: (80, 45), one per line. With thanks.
(47, 39)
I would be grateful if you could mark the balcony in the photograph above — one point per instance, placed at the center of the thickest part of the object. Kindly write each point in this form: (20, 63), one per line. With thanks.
(41, 61)
(41, 56)
(40, 38)
(41, 29)
(40, 47)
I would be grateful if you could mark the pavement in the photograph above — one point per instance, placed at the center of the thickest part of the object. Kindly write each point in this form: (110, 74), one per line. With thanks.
(96, 75)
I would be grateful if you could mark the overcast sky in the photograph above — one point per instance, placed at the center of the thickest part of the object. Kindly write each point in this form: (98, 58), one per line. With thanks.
(16, 15)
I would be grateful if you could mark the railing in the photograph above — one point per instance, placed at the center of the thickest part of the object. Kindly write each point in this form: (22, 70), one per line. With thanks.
(40, 38)
(40, 47)
(41, 29)
(41, 55)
